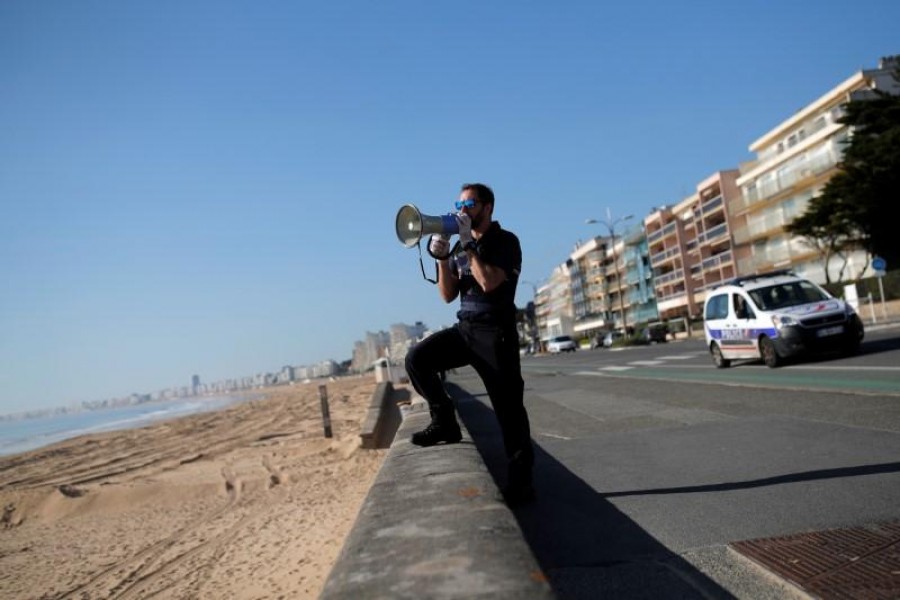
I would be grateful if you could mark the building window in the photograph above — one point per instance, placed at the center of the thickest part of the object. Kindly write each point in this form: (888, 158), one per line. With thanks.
(750, 194)
(789, 208)
(818, 124)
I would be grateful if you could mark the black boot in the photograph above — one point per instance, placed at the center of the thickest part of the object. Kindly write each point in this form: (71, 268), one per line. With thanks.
(443, 428)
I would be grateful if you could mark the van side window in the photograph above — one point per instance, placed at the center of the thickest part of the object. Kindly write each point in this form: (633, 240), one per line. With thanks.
(717, 307)
(742, 310)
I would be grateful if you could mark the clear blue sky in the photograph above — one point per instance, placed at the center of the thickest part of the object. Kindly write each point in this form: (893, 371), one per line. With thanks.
(210, 187)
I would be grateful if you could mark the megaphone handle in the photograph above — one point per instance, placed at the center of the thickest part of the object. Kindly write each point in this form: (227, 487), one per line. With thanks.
(435, 256)
(422, 265)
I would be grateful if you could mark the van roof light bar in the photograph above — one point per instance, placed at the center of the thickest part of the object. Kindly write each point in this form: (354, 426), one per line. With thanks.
(745, 278)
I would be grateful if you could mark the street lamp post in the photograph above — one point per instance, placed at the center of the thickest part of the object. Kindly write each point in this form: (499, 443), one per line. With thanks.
(611, 226)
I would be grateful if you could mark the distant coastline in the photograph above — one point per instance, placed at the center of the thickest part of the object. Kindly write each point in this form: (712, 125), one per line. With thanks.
(34, 429)
(135, 400)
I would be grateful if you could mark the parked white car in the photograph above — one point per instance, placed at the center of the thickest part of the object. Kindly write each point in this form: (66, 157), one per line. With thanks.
(561, 343)
(774, 316)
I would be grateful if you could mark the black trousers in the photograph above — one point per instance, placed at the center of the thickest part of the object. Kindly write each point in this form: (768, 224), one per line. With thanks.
(493, 351)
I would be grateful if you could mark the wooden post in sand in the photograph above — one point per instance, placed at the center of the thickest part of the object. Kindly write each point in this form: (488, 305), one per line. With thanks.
(326, 417)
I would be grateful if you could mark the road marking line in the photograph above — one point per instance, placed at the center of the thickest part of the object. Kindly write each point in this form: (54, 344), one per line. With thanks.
(615, 368)
(553, 435)
(710, 367)
(646, 363)
(679, 357)
(859, 368)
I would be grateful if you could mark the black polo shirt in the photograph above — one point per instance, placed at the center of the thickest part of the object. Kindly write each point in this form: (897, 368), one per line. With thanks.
(499, 248)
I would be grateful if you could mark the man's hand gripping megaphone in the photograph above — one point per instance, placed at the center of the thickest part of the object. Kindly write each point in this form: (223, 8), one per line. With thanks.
(439, 245)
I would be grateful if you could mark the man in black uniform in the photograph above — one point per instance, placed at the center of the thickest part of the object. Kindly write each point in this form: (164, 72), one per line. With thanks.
(483, 271)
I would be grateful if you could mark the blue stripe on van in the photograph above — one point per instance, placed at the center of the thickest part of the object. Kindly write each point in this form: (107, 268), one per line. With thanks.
(741, 334)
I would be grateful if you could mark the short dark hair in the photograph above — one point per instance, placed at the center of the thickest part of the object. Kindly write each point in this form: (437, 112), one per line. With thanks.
(484, 194)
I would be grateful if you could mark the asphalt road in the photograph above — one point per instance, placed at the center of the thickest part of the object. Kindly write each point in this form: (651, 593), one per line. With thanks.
(650, 461)
(875, 370)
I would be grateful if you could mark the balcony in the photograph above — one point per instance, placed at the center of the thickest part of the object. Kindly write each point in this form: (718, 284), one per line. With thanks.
(715, 261)
(765, 261)
(661, 257)
(665, 301)
(787, 178)
(634, 278)
(711, 205)
(661, 233)
(757, 228)
(717, 231)
(677, 274)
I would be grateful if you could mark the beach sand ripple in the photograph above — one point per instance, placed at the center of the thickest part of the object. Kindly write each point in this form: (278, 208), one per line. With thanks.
(247, 502)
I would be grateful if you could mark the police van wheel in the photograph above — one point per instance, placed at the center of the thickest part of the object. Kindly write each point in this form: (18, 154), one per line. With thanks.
(721, 361)
(768, 352)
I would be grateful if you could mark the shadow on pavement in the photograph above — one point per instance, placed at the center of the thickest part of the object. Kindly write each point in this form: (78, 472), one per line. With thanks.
(837, 473)
(586, 547)
(870, 346)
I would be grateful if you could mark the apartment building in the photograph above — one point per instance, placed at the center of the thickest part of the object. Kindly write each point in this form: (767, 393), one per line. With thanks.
(367, 351)
(554, 311)
(601, 286)
(733, 224)
(402, 338)
(639, 293)
(542, 310)
(590, 302)
(690, 245)
(793, 163)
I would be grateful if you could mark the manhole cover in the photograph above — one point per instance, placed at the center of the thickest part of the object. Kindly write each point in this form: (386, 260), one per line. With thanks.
(854, 563)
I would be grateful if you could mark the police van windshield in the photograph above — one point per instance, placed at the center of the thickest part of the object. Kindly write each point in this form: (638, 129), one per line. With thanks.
(787, 294)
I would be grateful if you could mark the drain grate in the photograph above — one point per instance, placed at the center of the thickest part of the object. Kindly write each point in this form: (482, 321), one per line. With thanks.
(854, 563)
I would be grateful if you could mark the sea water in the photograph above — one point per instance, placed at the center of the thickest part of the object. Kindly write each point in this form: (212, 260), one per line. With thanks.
(27, 434)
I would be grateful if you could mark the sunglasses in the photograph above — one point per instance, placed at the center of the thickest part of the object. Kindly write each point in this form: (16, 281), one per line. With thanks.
(468, 203)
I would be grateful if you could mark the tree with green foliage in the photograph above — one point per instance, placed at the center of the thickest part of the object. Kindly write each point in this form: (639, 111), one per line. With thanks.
(854, 207)
(828, 228)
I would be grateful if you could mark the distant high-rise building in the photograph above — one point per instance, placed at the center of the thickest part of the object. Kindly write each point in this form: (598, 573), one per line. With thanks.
(195, 385)
(402, 337)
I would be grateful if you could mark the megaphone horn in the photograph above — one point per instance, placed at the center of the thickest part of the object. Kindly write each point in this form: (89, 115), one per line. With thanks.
(411, 225)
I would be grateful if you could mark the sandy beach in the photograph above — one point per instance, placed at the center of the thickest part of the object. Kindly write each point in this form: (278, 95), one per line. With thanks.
(247, 502)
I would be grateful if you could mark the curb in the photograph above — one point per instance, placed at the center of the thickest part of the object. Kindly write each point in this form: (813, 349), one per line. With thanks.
(433, 525)
(382, 418)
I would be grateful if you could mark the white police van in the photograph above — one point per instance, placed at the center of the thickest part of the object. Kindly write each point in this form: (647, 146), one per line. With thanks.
(774, 316)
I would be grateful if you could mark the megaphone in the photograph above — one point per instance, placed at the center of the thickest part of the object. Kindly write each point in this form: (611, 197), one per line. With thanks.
(411, 225)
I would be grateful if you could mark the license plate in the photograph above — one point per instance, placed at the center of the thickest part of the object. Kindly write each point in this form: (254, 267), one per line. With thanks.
(830, 331)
